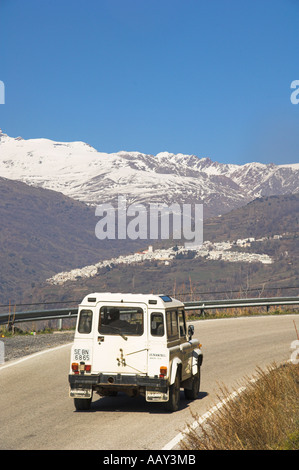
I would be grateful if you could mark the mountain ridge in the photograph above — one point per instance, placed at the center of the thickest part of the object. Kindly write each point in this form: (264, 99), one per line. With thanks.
(81, 172)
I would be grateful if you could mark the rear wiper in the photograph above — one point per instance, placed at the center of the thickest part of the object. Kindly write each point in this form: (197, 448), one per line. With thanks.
(119, 331)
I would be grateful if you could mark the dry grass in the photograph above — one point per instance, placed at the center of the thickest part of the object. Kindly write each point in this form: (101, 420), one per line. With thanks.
(265, 416)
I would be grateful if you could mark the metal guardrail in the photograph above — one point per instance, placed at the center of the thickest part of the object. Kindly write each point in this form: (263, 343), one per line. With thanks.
(241, 303)
(202, 305)
(37, 315)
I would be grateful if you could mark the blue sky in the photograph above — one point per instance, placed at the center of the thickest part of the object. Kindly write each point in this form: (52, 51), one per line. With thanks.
(210, 78)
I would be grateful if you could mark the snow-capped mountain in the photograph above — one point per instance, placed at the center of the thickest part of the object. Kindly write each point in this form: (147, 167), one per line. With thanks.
(78, 170)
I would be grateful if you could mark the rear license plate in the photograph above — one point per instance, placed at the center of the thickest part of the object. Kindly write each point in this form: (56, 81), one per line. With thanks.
(81, 354)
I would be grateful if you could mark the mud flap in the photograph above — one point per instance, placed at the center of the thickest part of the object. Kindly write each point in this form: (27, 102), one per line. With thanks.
(156, 396)
(81, 393)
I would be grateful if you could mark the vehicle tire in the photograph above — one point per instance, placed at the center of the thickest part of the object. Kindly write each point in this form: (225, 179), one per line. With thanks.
(173, 402)
(82, 404)
(192, 394)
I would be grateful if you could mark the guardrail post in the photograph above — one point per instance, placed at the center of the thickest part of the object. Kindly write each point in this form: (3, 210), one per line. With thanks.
(2, 352)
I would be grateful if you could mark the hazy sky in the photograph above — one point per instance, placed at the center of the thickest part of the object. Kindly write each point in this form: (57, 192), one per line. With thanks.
(204, 77)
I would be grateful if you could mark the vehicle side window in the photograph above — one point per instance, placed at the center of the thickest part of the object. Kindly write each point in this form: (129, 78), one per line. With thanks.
(157, 324)
(172, 324)
(85, 322)
(182, 323)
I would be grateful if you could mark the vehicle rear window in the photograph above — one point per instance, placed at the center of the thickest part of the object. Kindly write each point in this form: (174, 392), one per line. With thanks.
(126, 321)
(85, 321)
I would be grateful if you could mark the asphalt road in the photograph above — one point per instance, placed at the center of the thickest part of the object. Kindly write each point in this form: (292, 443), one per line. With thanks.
(36, 412)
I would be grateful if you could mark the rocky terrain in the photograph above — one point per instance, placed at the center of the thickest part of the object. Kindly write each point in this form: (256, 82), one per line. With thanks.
(19, 346)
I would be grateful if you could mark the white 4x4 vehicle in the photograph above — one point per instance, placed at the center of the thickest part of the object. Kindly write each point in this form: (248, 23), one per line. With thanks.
(135, 343)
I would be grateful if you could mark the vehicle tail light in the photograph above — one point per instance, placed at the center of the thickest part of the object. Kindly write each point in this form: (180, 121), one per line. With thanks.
(163, 372)
(80, 368)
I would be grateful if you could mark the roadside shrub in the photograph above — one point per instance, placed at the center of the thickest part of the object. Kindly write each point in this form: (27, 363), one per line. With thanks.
(265, 416)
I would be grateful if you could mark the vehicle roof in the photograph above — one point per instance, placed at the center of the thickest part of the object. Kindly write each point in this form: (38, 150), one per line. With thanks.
(154, 301)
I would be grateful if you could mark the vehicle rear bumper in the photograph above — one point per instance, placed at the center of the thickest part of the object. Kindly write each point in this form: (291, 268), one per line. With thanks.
(94, 381)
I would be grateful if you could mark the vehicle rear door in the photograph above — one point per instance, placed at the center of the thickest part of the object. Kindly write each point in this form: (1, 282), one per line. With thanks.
(120, 340)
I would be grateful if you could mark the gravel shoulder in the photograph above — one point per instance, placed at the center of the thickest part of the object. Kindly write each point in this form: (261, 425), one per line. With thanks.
(19, 346)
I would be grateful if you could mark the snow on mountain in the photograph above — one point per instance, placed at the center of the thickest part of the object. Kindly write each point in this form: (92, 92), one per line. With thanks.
(78, 170)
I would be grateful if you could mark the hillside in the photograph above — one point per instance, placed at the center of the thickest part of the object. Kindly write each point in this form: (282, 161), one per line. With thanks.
(186, 273)
(265, 216)
(43, 232)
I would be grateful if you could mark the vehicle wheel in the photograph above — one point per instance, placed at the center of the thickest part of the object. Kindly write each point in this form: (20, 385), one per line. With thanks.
(174, 395)
(82, 404)
(192, 394)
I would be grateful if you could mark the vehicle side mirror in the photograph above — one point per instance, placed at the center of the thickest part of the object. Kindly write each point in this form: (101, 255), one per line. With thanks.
(190, 331)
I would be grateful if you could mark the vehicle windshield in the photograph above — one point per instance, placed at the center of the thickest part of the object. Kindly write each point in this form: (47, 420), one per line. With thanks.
(125, 321)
